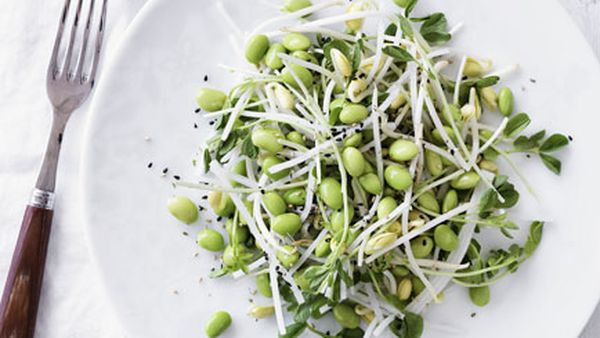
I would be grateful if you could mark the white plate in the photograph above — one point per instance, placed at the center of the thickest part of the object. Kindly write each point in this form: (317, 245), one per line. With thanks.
(148, 90)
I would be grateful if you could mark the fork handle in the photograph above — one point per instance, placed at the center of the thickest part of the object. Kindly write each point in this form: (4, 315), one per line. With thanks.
(20, 300)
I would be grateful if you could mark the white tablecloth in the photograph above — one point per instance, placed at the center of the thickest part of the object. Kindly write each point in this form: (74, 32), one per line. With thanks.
(73, 304)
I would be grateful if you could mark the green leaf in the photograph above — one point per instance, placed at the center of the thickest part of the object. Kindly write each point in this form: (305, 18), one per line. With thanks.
(435, 29)
(351, 333)
(554, 142)
(535, 237)
(391, 29)
(248, 148)
(357, 55)
(303, 312)
(206, 158)
(293, 330)
(524, 143)
(551, 163)
(409, 327)
(339, 45)
(406, 27)
(487, 203)
(398, 53)
(516, 124)
(537, 137)
(487, 81)
(409, 8)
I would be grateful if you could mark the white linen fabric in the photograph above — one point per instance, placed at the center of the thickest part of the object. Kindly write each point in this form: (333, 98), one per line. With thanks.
(73, 303)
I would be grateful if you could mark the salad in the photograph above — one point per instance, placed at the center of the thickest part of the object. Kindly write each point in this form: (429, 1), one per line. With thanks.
(355, 163)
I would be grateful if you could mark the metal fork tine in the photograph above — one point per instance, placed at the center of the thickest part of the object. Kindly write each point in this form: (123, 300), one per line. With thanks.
(99, 38)
(61, 27)
(84, 44)
(67, 62)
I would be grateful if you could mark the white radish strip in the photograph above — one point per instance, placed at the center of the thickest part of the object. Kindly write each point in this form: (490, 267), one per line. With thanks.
(285, 180)
(302, 158)
(310, 192)
(303, 112)
(263, 227)
(229, 110)
(234, 115)
(440, 152)
(327, 98)
(276, 295)
(459, 77)
(437, 183)
(456, 28)
(337, 19)
(251, 267)
(377, 136)
(383, 325)
(296, 15)
(435, 264)
(371, 328)
(438, 53)
(293, 120)
(306, 64)
(373, 301)
(505, 71)
(242, 180)
(494, 136)
(475, 144)
(323, 309)
(318, 30)
(390, 280)
(306, 254)
(418, 231)
(293, 145)
(378, 52)
(369, 214)
(389, 218)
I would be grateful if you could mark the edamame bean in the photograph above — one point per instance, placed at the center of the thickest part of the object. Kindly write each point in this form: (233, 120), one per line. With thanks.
(183, 209)
(353, 113)
(480, 296)
(386, 206)
(337, 218)
(506, 101)
(303, 74)
(270, 161)
(274, 203)
(450, 201)
(286, 224)
(418, 285)
(288, 259)
(301, 280)
(295, 5)
(429, 202)
(295, 42)
(261, 311)
(403, 150)
(340, 62)
(210, 240)
(404, 289)
(241, 232)
(437, 135)
(344, 314)
(468, 180)
(369, 168)
(221, 203)
(434, 163)
(229, 257)
(211, 100)
(217, 324)
(256, 48)
(421, 246)
(400, 271)
(239, 169)
(295, 196)
(354, 161)
(379, 242)
(335, 107)
(397, 177)
(354, 140)
(272, 59)
(263, 285)
(330, 191)
(371, 183)
(305, 56)
(323, 249)
(445, 238)
(296, 137)
(267, 139)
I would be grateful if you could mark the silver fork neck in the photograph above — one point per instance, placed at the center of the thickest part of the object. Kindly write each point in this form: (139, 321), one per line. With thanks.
(47, 177)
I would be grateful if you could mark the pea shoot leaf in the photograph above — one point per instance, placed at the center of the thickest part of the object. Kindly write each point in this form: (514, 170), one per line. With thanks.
(406, 27)
(551, 163)
(351, 333)
(554, 143)
(357, 55)
(303, 312)
(409, 8)
(409, 327)
(248, 148)
(206, 159)
(391, 29)
(293, 330)
(398, 53)
(535, 237)
(434, 28)
(516, 124)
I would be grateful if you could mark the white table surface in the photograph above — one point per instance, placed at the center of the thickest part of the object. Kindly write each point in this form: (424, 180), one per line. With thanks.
(73, 302)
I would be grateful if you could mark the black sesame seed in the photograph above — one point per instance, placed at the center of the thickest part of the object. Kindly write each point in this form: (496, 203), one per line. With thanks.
(205, 78)
(197, 110)
(532, 80)
(185, 233)
(177, 177)
(570, 138)
(201, 208)
(204, 197)
(165, 170)
(219, 219)
(211, 123)
(262, 191)
(452, 151)
(195, 126)
(528, 156)
(150, 165)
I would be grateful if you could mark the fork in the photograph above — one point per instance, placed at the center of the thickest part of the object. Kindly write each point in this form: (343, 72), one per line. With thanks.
(69, 81)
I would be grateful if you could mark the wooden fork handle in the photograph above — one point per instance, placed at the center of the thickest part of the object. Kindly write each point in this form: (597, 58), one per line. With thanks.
(20, 300)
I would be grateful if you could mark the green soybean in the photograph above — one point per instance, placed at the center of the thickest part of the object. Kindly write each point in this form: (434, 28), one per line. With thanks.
(354, 140)
(506, 101)
(288, 259)
(241, 232)
(301, 280)
(386, 206)
(330, 191)
(337, 218)
(217, 324)
(417, 284)
(256, 48)
(450, 201)
(267, 139)
(303, 74)
(445, 238)
(400, 271)
(421, 246)
(344, 314)
(272, 59)
(353, 161)
(296, 137)
(295, 196)
(221, 203)
(286, 224)
(183, 209)
(296, 42)
(403, 150)
(371, 183)
(437, 136)
(428, 201)
(295, 5)
(305, 56)
(274, 203)
(434, 163)
(210, 240)
(480, 296)
(353, 113)
(468, 180)
(263, 285)
(240, 169)
(335, 107)
(210, 100)
(229, 257)
(270, 161)
(398, 177)
(323, 248)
